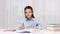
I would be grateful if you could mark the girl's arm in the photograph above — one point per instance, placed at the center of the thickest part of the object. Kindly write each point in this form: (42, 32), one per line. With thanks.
(21, 26)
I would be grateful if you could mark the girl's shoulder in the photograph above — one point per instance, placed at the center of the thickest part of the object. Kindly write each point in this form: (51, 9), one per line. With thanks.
(24, 19)
(35, 19)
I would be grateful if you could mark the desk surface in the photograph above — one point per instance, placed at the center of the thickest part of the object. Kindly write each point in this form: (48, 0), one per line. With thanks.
(31, 30)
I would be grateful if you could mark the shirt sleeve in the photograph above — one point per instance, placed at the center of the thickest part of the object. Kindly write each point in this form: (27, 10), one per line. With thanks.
(39, 24)
(21, 24)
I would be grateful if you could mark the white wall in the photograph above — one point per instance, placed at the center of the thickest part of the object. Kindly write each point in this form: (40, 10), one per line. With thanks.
(12, 11)
(51, 11)
(3, 14)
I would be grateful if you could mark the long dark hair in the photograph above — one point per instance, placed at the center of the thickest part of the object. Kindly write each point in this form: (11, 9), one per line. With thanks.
(29, 7)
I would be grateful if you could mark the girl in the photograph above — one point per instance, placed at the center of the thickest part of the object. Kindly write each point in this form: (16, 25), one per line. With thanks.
(29, 20)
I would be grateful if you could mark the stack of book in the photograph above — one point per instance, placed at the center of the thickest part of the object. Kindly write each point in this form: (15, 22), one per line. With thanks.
(53, 27)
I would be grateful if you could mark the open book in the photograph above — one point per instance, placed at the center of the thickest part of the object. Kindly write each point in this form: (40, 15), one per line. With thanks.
(27, 31)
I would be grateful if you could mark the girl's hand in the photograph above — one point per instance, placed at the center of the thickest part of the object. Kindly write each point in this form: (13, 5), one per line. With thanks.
(21, 28)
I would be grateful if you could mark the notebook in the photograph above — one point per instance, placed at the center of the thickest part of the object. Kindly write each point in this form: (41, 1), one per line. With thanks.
(26, 31)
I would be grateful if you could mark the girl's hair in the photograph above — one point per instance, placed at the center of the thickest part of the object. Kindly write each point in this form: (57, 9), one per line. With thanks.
(29, 7)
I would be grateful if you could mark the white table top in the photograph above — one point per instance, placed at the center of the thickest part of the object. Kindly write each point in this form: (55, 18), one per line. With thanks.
(31, 30)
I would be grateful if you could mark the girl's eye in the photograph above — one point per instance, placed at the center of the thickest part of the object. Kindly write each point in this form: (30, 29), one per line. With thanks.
(25, 12)
(30, 12)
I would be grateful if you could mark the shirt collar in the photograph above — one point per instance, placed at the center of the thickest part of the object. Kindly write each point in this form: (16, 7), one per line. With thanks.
(31, 20)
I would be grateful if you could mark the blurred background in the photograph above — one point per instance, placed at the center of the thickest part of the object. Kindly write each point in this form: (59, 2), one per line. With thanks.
(12, 12)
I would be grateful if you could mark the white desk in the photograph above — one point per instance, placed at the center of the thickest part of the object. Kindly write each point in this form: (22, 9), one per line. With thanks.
(31, 30)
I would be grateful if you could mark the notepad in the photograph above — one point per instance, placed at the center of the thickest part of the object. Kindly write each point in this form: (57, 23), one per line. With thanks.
(26, 31)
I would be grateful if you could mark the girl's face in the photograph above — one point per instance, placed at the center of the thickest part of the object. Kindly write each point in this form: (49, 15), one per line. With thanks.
(28, 13)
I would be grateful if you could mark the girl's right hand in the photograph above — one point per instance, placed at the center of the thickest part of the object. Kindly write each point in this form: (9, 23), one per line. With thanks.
(21, 28)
